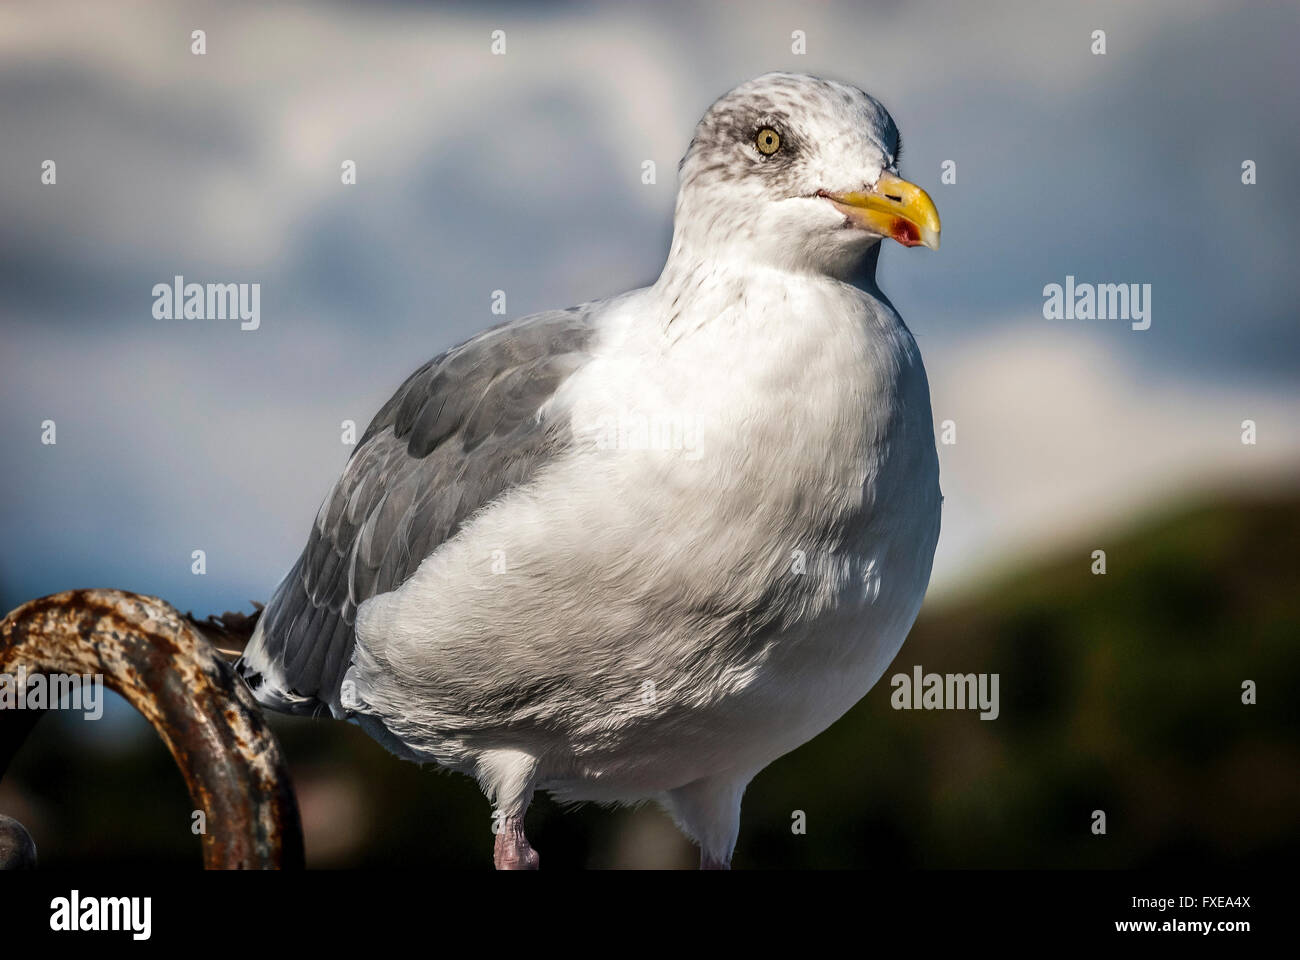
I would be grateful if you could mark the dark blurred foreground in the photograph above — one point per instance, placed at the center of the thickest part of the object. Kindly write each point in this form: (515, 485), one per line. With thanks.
(1120, 693)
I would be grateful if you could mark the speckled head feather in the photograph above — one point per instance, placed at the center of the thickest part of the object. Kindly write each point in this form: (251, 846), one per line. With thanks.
(832, 138)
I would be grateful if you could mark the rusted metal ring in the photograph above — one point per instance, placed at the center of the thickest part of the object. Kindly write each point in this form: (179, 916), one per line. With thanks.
(150, 654)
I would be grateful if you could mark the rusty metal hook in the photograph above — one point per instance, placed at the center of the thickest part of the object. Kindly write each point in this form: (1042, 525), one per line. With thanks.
(157, 659)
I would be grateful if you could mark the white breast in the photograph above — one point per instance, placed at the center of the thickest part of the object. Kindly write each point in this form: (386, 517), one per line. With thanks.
(744, 531)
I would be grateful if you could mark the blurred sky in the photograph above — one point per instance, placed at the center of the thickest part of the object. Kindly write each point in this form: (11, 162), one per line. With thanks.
(523, 172)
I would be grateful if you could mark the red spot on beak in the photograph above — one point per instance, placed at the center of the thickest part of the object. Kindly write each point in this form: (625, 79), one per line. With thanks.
(905, 232)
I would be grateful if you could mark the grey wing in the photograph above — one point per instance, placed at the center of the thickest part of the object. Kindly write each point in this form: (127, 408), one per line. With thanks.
(462, 430)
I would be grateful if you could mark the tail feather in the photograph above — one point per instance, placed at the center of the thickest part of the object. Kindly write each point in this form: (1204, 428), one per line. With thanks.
(228, 632)
(264, 674)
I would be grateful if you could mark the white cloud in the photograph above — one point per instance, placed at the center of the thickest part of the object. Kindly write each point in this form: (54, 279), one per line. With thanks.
(1059, 434)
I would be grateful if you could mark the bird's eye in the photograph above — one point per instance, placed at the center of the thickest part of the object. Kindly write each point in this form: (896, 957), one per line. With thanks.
(768, 141)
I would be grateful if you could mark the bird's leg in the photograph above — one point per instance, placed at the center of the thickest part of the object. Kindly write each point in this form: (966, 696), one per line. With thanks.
(708, 811)
(512, 850)
(507, 776)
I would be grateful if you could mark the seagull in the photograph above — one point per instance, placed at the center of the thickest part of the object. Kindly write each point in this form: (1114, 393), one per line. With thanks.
(637, 549)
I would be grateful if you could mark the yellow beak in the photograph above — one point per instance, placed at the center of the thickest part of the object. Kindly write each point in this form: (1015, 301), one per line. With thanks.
(893, 208)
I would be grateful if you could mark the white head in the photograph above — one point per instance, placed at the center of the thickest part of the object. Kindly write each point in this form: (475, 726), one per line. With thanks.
(799, 173)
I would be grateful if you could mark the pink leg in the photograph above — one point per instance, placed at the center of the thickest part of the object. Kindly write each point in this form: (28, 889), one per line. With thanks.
(512, 851)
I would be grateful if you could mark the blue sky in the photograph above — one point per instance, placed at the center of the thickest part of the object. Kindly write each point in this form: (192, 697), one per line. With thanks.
(523, 173)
